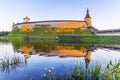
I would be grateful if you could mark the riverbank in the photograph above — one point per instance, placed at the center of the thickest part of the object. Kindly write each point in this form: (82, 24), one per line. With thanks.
(90, 39)
(62, 35)
(46, 33)
(70, 39)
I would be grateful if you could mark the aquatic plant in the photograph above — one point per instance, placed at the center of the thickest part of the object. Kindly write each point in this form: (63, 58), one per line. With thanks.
(80, 72)
(94, 72)
(11, 63)
(90, 73)
(112, 71)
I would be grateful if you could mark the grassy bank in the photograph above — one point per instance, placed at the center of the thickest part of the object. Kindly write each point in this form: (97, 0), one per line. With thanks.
(63, 35)
(90, 39)
(47, 33)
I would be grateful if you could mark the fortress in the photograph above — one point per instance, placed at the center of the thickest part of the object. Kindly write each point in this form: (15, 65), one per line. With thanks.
(87, 22)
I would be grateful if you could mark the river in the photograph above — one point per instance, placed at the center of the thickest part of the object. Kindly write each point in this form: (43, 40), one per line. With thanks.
(37, 59)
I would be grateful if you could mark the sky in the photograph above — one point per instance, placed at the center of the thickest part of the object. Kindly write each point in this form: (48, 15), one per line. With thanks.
(105, 13)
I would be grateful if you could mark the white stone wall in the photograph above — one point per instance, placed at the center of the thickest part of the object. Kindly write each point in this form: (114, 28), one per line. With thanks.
(61, 24)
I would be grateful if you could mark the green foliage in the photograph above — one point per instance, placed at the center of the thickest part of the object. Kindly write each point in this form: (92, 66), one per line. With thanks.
(53, 32)
(45, 34)
(48, 32)
(26, 28)
(16, 33)
(90, 73)
(7, 64)
(91, 39)
(4, 33)
(112, 71)
(93, 72)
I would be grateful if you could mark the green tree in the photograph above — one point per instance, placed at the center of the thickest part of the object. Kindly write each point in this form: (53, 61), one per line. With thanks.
(26, 29)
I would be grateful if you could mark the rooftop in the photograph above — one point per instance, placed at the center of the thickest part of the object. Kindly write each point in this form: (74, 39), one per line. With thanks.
(52, 21)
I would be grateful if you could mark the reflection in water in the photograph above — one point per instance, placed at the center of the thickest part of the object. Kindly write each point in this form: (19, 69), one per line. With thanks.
(44, 55)
(61, 50)
(27, 50)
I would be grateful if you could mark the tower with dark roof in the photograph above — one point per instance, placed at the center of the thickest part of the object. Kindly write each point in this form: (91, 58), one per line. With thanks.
(88, 18)
(26, 19)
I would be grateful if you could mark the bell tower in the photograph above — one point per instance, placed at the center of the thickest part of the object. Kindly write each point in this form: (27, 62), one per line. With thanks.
(88, 19)
(26, 19)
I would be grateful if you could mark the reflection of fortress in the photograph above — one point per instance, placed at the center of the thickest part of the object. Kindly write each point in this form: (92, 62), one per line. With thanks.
(57, 23)
(61, 51)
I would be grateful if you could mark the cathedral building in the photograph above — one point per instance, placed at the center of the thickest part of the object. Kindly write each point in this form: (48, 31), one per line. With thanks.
(87, 22)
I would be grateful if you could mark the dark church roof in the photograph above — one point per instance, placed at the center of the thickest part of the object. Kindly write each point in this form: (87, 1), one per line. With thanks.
(88, 14)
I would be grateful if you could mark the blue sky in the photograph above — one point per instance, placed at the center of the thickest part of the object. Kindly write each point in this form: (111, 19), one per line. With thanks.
(105, 13)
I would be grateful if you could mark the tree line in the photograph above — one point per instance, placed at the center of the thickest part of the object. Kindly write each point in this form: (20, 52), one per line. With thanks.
(4, 33)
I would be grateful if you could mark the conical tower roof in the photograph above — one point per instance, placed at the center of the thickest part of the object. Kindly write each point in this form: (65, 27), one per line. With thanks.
(87, 14)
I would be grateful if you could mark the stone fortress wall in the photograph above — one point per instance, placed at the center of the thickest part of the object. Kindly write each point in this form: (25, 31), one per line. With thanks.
(56, 23)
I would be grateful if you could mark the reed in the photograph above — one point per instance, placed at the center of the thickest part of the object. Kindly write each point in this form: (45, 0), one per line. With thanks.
(112, 71)
(8, 64)
(93, 72)
(90, 73)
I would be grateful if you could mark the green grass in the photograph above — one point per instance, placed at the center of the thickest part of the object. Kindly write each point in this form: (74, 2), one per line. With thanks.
(7, 64)
(13, 38)
(91, 73)
(92, 39)
(43, 33)
(112, 71)
(14, 35)
(51, 34)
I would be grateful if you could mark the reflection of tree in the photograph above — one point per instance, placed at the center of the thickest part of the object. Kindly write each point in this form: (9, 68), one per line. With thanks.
(27, 50)
(7, 64)
(61, 47)
(55, 49)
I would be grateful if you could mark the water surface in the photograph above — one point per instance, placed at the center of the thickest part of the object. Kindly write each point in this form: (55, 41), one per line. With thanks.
(40, 58)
